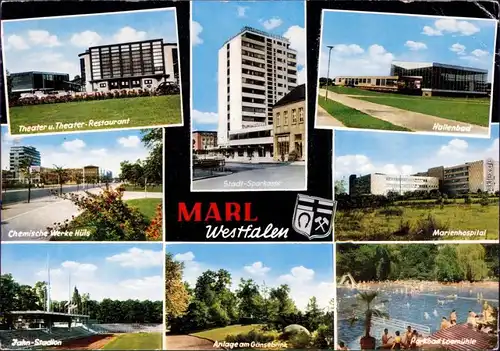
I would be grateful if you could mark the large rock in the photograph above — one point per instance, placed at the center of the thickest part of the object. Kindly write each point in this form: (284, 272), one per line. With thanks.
(295, 329)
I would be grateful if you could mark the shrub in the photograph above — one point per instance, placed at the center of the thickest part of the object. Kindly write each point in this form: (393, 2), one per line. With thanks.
(106, 216)
(323, 337)
(485, 201)
(155, 229)
(426, 226)
(468, 200)
(392, 211)
(293, 156)
(300, 341)
(252, 336)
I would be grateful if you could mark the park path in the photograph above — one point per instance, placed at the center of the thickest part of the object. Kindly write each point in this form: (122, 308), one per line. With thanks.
(188, 342)
(324, 119)
(44, 212)
(414, 121)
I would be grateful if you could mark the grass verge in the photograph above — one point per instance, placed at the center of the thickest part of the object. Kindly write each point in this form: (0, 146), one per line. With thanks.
(136, 341)
(146, 206)
(353, 118)
(220, 334)
(139, 111)
(150, 189)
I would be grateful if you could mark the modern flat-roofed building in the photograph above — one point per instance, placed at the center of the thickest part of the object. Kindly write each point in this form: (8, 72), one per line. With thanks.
(389, 83)
(256, 69)
(382, 184)
(135, 65)
(204, 140)
(289, 131)
(441, 79)
(29, 82)
(20, 156)
(470, 177)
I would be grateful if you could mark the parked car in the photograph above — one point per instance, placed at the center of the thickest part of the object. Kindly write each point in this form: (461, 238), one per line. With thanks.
(168, 88)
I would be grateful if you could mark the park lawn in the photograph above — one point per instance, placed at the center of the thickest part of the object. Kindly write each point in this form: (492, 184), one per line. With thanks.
(461, 110)
(358, 225)
(136, 341)
(146, 206)
(353, 118)
(220, 334)
(142, 112)
(150, 189)
(355, 91)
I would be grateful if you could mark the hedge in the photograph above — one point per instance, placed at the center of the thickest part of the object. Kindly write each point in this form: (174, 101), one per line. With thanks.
(51, 99)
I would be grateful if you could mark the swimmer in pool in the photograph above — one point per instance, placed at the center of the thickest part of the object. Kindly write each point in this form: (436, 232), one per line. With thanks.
(386, 338)
(444, 323)
(453, 317)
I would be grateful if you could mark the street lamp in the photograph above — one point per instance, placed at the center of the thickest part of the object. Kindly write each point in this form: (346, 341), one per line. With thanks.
(330, 47)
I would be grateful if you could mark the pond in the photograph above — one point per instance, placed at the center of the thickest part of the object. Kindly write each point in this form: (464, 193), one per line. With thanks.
(426, 308)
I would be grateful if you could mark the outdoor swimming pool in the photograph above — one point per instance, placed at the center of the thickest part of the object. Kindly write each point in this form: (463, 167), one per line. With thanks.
(422, 308)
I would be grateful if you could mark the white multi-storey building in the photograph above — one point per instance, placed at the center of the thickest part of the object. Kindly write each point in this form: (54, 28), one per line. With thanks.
(256, 69)
(383, 184)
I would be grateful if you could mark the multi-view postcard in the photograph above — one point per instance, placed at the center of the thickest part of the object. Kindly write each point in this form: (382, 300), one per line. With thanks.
(417, 296)
(82, 297)
(415, 187)
(406, 73)
(249, 129)
(92, 72)
(264, 297)
(89, 186)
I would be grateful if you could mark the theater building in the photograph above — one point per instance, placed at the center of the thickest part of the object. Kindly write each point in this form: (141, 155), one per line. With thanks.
(30, 82)
(134, 65)
(289, 131)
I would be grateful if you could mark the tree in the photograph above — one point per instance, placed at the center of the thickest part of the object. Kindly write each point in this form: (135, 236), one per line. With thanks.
(250, 299)
(340, 187)
(313, 314)
(76, 299)
(61, 177)
(9, 86)
(25, 167)
(153, 165)
(41, 292)
(471, 259)
(365, 314)
(176, 294)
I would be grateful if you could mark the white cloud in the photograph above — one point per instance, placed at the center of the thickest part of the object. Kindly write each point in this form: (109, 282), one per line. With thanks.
(187, 256)
(73, 154)
(73, 145)
(16, 42)
(43, 38)
(415, 45)
(297, 37)
(454, 152)
(139, 258)
(450, 26)
(130, 141)
(241, 10)
(47, 60)
(352, 59)
(271, 23)
(129, 34)
(86, 39)
(301, 280)
(196, 30)
(200, 117)
(458, 48)
(257, 269)
(479, 53)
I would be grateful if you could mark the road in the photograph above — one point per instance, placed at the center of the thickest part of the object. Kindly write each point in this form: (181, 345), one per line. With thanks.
(414, 121)
(257, 177)
(43, 212)
(188, 342)
(21, 195)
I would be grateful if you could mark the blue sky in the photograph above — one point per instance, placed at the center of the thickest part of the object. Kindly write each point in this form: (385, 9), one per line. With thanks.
(366, 43)
(307, 269)
(214, 22)
(53, 44)
(106, 149)
(116, 271)
(399, 153)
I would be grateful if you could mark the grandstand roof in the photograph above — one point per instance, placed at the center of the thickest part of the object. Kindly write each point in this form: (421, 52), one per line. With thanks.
(45, 313)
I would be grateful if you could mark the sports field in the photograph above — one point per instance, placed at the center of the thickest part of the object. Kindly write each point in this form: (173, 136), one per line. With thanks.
(475, 111)
(97, 114)
(132, 341)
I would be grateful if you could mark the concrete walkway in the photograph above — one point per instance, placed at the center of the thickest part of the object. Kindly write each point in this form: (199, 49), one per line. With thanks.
(417, 122)
(44, 212)
(324, 119)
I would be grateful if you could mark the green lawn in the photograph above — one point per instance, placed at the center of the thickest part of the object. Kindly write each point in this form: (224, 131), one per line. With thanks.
(220, 334)
(146, 206)
(150, 189)
(362, 225)
(136, 341)
(461, 110)
(353, 118)
(130, 112)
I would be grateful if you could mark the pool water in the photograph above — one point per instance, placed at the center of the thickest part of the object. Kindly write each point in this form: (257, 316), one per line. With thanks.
(423, 309)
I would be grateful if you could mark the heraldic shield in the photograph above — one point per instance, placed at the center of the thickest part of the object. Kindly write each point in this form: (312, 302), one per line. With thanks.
(313, 216)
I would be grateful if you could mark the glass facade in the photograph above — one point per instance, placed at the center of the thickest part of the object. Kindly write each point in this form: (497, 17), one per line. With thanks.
(127, 60)
(27, 81)
(444, 77)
